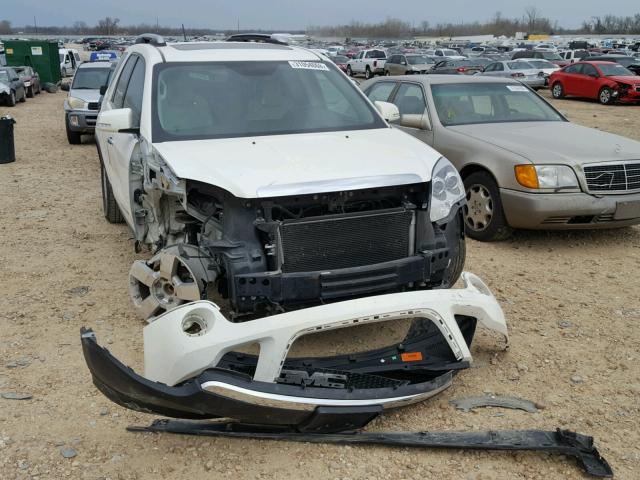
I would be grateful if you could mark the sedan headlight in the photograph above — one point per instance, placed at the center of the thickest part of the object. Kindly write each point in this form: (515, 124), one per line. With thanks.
(546, 176)
(447, 189)
(76, 103)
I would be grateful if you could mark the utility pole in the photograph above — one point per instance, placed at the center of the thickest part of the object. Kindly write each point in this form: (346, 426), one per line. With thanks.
(35, 24)
(238, 25)
(157, 25)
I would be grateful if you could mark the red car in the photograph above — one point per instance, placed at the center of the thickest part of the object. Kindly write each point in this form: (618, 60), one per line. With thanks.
(341, 62)
(606, 82)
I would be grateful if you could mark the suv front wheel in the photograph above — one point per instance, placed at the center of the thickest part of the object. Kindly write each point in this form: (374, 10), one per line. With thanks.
(484, 218)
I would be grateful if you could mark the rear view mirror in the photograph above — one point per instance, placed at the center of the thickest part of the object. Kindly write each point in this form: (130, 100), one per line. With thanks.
(412, 120)
(116, 121)
(103, 89)
(388, 111)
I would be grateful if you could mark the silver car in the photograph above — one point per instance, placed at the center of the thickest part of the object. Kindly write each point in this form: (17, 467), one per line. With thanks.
(524, 165)
(522, 71)
(83, 102)
(408, 64)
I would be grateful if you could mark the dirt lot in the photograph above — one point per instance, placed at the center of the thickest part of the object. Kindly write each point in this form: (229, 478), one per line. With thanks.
(572, 301)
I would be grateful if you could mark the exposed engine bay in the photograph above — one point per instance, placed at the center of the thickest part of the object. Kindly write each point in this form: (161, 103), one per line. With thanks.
(277, 253)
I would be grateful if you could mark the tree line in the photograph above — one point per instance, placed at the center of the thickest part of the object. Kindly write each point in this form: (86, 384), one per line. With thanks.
(112, 26)
(532, 21)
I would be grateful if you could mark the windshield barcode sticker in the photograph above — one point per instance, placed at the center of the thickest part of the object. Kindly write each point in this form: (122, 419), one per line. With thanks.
(309, 65)
(517, 88)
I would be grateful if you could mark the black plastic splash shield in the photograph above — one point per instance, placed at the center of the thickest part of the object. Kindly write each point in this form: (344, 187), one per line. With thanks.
(562, 442)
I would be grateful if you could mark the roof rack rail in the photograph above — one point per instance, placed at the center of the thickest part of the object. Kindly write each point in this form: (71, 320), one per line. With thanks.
(152, 39)
(255, 37)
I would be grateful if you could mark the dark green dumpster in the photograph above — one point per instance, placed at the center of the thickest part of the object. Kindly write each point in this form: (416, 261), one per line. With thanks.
(7, 147)
(43, 56)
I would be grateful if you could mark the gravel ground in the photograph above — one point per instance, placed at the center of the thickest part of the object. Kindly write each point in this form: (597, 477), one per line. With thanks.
(571, 300)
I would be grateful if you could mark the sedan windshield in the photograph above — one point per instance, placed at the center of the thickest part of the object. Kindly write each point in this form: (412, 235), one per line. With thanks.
(550, 56)
(470, 103)
(542, 64)
(239, 99)
(90, 78)
(615, 70)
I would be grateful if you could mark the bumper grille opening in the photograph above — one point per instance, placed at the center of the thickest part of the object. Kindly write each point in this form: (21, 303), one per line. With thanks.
(344, 241)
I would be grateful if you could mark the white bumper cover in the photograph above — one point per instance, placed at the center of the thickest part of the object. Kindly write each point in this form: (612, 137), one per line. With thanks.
(191, 338)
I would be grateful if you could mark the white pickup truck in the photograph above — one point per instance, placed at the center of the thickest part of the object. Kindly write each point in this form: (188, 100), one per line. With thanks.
(367, 62)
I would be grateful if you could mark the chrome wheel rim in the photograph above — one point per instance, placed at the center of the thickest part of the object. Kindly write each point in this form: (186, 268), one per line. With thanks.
(605, 96)
(557, 90)
(478, 212)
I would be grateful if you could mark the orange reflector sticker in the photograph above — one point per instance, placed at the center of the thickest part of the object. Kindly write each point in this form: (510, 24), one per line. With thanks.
(411, 357)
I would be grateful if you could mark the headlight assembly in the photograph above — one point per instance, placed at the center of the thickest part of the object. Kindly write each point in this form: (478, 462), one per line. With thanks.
(546, 176)
(76, 103)
(447, 189)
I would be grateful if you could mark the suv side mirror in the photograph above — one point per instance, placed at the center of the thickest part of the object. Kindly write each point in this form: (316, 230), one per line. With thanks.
(103, 89)
(119, 120)
(412, 120)
(388, 111)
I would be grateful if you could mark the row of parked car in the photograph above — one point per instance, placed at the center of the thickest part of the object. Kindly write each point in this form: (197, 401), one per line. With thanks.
(17, 84)
(607, 78)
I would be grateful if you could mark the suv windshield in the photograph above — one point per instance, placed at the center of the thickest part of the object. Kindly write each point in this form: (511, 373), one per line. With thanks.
(468, 103)
(4, 76)
(194, 101)
(615, 70)
(418, 59)
(91, 78)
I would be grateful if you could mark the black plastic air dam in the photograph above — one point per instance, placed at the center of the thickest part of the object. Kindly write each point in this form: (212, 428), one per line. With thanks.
(229, 390)
(562, 442)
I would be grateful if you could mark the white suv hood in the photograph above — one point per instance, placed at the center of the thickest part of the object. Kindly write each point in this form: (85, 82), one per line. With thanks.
(278, 165)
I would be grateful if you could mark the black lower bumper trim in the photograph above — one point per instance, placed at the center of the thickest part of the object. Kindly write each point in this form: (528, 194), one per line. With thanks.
(562, 442)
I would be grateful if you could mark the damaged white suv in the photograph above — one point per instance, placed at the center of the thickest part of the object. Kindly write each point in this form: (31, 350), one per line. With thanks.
(259, 172)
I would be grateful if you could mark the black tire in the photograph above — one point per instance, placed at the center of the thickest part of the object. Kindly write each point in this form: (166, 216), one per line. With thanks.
(457, 265)
(30, 92)
(74, 138)
(109, 206)
(349, 71)
(557, 91)
(605, 96)
(39, 89)
(387, 73)
(24, 95)
(367, 73)
(484, 218)
(11, 101)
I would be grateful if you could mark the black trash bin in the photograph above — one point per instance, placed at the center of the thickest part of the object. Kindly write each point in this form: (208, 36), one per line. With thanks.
(7, 147)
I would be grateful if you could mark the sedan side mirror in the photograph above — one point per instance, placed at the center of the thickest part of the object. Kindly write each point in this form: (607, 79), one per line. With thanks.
(388, 111)
(413, 120)
(103, 89)
(65, 87)
(15, 79)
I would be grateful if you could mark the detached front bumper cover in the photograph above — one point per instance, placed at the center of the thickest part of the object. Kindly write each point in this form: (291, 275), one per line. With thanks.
(193, 371)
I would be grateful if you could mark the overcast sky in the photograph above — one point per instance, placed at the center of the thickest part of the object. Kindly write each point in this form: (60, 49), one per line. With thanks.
(298, 14)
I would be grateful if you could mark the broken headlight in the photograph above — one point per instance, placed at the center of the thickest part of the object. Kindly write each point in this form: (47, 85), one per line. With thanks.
(447, 189)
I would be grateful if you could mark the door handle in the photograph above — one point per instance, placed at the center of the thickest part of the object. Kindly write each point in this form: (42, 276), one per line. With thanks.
(110, 140)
